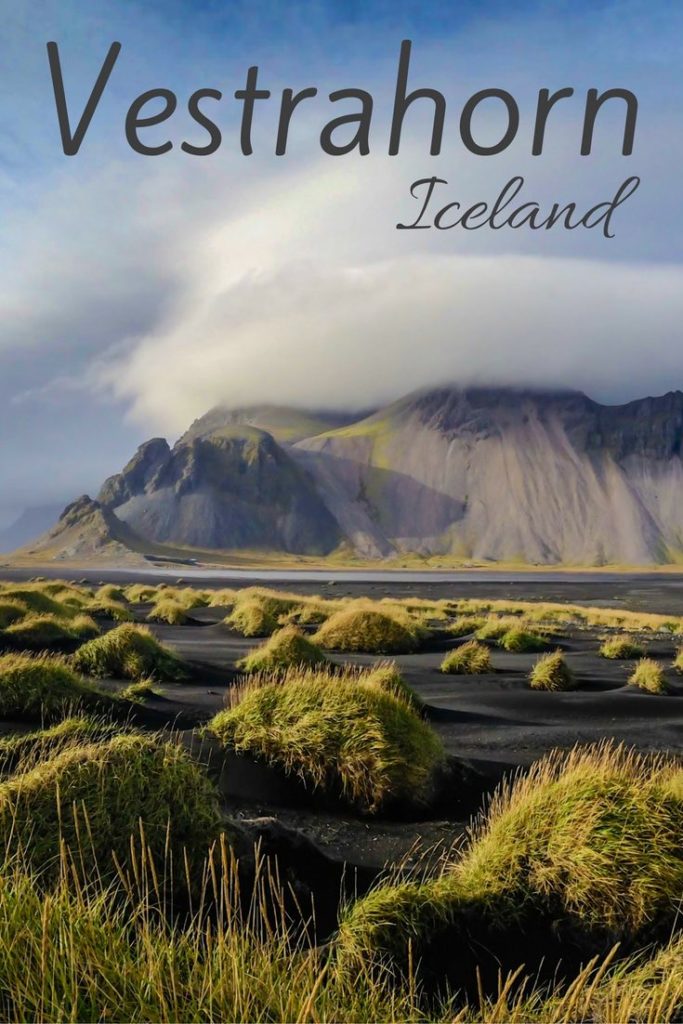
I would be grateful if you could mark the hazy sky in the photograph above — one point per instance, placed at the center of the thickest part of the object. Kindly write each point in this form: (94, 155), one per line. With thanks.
(138, 291)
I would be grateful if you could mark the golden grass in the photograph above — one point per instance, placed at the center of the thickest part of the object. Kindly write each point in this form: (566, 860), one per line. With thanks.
(129, 652)
(471, 658)
(94, 796)
(648, 675)
(286, 648)
(366, 630)
(355, 741)
(43, 685)
(618, 648)
(590, 838)
(551, 672)
(170, 611)
(521, 641)
(250, 618)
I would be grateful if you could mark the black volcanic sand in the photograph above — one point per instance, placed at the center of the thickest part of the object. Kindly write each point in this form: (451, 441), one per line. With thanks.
(490, 724)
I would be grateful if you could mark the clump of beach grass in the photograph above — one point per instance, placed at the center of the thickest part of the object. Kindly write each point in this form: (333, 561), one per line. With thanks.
(465, 625)
(39, 632)
(471, 658)
(37, 602)
(32, 748)
(43, 685)
(11, 612)
(494, 628)
(590, 839)
(140, 593)
(551, 672)
(521, 641)
(621, 648)
(109, 609)
(286, 648)
(139, 692)
(129, 652)
(170, 611)
(367, 631)
(387, 676)
(355, 741)
(94, 797)
(250, 618)
(649, 675)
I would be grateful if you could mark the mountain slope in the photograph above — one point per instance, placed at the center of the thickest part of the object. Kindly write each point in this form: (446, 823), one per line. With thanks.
(237, 489)
(509, 475)
(476, 473)
(85, 530)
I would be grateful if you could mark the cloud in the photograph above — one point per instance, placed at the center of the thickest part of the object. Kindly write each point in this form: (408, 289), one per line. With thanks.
(136, 292)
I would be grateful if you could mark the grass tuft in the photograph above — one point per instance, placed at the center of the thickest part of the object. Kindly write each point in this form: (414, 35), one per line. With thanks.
(587, 843)
(620, 648)
(367, 631)
(169, 611)
(551, 672)
(471, 658)
(339, 736)
(520, 641)
(94, 798)
(250, 618)
(648, 675)
(129, 652)
(35, 686)
(286, 648)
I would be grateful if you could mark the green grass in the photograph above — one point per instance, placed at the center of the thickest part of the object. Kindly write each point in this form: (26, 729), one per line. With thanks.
(43, 686)
(95, 797)
(520, 641)
(37, 632)
(387, 676)
(367, 631)
(471, 658)
(109, 609)
(133, 966)
(465, 625)
(551, 672)
(337, 735)
(587, 841)
(36, 601)
(11, 612)
(31, 748)
(678, 662)
(129, 652)
(286, 648)
(110, 592)
(648, 675)
(250, 618)
(138, 692)
(169, 611)
(495, 628)
(621, 647)
(140, 593)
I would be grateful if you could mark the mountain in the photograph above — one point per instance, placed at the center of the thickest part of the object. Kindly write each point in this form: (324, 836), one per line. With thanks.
(84, 530)
(469, 473)
(509, 474)
(31, 523)
(235, 488)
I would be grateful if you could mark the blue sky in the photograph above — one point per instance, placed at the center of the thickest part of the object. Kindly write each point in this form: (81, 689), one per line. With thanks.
(136, 292)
